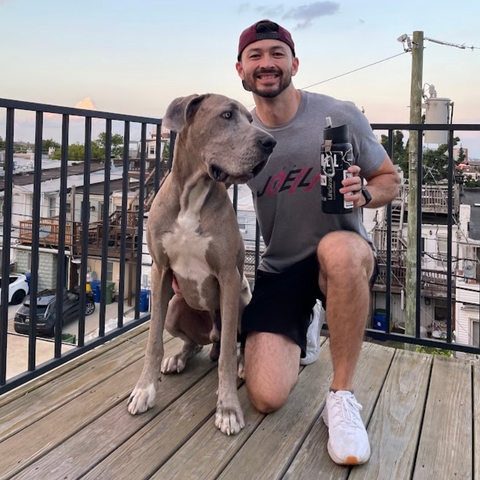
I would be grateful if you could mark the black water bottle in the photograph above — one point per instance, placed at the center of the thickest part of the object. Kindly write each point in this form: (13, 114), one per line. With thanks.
(337, 156)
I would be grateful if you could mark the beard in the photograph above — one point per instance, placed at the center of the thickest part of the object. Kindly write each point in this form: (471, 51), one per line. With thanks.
(249, 83)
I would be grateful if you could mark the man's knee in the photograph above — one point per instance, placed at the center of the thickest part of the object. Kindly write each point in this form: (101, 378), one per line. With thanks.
(271, 369)
(266, 400)
(342, 252)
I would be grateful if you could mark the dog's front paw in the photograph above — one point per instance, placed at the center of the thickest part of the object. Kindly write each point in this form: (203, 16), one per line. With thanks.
(229, 419)
(141, 399)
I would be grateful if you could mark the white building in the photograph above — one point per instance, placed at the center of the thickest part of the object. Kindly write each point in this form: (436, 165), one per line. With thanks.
(467, 307)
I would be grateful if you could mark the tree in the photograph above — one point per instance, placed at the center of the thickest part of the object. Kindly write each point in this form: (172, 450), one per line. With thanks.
(76, 152)
(470, 182)
(166, 151)
(117, 144)
(50, 143)
(400, 151)
(461, 156)
(435, 162)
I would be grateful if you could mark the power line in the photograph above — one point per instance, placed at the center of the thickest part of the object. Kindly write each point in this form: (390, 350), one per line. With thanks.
(451, 44)
(356, 70)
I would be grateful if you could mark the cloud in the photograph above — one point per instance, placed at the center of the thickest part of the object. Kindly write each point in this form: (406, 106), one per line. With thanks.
(86, 103)
(271, 12)
(305, 14)
(243, 7)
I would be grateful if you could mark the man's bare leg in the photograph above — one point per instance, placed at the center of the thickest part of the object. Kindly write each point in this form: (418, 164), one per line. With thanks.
(271, 369)
(346, 266)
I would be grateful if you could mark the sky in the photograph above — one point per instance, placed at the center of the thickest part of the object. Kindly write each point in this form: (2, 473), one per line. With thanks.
(135, 57)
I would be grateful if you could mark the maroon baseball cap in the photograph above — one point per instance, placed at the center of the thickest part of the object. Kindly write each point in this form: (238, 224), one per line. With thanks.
(264, 30)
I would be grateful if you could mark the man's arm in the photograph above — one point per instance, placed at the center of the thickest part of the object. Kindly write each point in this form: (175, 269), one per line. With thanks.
(382, 185)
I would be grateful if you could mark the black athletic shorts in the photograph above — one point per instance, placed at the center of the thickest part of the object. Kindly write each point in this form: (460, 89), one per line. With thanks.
(283, 302)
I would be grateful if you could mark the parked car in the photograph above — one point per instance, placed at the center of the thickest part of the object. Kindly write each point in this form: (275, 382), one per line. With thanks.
(17, 288)
(46, 306)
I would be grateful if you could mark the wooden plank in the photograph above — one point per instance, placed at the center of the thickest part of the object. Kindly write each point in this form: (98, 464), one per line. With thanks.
(19, 450)
(83, 451)
(91, 355)
(312, 460)
(445, 449)
(148, 449)
(26, 410)
(207, 453)
(476, 419)
(271, 447)
(395, 425)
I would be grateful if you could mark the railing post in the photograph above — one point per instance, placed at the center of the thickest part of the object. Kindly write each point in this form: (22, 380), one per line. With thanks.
(7, 224)
(61, 277)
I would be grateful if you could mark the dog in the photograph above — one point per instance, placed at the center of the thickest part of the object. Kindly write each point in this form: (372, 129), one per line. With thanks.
(193, 238)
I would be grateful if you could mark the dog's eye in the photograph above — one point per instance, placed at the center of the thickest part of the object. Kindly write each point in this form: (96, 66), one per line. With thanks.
(227, 115)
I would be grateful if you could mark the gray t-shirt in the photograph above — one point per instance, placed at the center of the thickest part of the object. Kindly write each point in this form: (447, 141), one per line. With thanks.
(286, 193)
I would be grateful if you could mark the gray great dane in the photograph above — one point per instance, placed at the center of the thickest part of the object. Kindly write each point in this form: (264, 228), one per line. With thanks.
(193, 236)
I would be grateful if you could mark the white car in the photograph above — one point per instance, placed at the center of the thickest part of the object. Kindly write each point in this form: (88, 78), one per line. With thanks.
(17, 288)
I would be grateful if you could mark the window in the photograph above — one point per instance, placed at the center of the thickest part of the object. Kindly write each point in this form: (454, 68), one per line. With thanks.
(100, 210)
(475, 333)
(69, 207)
(242, 223)
(442, 251)
(109, 271)
(152, 150)
(52, 206)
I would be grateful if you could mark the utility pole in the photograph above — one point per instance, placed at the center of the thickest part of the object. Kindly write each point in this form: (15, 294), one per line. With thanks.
(416, 92)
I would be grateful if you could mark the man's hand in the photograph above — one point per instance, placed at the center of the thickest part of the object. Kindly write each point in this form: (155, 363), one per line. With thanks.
(382, 185)
(353, 186)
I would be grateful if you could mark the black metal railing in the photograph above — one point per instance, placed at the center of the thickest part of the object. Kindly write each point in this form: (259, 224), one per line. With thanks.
(450, 276)
(39, 111)
(423, 276)
(140, 317)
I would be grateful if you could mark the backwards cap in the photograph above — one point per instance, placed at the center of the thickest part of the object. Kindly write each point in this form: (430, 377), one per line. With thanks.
(264, 30)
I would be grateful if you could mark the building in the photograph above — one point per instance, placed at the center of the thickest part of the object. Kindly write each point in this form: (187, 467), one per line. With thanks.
(434, 234)
(22, 225)
(467, 293)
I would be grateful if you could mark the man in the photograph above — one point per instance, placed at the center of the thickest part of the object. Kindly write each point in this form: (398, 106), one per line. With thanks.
(308, 254)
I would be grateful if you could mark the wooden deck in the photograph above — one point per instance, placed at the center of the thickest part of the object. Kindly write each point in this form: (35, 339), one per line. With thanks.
(422, 415)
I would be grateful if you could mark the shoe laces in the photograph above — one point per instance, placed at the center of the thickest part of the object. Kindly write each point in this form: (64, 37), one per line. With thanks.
(346, 409)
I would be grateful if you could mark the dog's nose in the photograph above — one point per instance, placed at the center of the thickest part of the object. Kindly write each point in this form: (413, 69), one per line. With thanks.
(268, 143)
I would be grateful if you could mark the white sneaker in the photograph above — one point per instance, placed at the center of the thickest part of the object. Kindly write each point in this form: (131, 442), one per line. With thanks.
(313, 334)
(348, 443)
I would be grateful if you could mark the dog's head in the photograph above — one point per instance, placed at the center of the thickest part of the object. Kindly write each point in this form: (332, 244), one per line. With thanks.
(219, 131)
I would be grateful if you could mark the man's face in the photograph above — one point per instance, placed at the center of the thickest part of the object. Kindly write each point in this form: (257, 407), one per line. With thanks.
(267, 67)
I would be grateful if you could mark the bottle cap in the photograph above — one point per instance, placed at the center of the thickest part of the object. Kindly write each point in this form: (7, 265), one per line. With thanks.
(337, 134)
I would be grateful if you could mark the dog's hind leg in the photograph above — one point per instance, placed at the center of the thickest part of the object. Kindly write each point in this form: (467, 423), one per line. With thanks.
(176, 363)
(192, 326)
(245, 297)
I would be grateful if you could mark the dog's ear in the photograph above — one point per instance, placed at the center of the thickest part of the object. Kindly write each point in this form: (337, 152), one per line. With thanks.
(180, 110)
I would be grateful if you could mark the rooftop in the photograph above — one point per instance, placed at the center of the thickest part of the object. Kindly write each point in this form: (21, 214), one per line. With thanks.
(422, 414)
